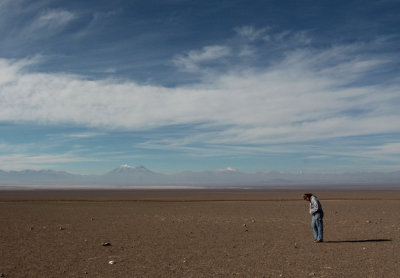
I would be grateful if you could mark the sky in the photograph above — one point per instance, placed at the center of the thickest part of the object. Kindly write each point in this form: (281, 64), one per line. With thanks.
(180, 85)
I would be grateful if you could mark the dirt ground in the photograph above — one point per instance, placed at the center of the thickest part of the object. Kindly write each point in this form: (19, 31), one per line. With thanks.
(197, 233)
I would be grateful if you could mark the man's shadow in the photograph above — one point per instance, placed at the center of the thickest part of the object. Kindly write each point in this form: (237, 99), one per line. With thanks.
(359, 240)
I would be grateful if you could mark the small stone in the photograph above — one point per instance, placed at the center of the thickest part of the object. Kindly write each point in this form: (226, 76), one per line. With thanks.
(112, 262)
(244, 225)
(61, 228)
(106, 244)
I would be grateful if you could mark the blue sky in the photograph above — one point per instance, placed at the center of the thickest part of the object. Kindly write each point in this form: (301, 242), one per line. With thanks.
(177, 85)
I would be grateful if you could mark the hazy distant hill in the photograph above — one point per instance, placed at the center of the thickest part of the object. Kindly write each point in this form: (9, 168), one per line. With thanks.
(130, 170)
(129, 175)
(45, 177)
(125, 175)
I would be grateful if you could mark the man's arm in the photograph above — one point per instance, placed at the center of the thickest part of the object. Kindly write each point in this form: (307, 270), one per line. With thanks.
(314, 207)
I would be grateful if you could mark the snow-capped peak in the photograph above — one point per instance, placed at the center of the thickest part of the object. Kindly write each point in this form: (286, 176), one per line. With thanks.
(227, 170)
(124, 166)
(126, 169)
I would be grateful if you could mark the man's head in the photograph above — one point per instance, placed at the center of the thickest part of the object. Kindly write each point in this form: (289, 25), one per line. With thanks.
(307, 196)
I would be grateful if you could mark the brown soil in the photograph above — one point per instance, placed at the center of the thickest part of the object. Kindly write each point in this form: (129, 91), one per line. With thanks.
(197, 233)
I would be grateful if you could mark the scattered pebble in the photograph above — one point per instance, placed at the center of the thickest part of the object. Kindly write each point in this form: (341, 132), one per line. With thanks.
(368, 221)
(106, 244)
(112, 262)
(61, 228)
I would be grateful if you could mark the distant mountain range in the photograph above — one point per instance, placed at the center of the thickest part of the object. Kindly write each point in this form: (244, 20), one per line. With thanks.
(126, 175)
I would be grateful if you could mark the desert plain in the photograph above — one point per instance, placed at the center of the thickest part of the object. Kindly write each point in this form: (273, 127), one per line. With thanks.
(197, 233)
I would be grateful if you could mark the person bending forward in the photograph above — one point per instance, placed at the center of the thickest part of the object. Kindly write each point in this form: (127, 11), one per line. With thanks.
(317, 214)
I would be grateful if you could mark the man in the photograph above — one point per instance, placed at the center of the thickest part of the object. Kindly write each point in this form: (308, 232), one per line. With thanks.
(317, 214)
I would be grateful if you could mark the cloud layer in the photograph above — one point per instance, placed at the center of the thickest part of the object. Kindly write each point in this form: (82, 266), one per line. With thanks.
(308, 94)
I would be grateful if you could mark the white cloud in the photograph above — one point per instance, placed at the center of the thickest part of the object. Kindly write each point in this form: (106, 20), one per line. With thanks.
(46, 24)
(54, 18)
(23, 22)
(304, 96)
(84, 135)
(250, 32)
(246, 46)
(286, 39)
(22, 161)
(35, 155)
(193, 59)
(247, 50)
(389, 149)
(282, 35)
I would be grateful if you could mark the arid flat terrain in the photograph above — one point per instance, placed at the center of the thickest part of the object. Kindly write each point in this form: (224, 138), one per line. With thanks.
(197, 233)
